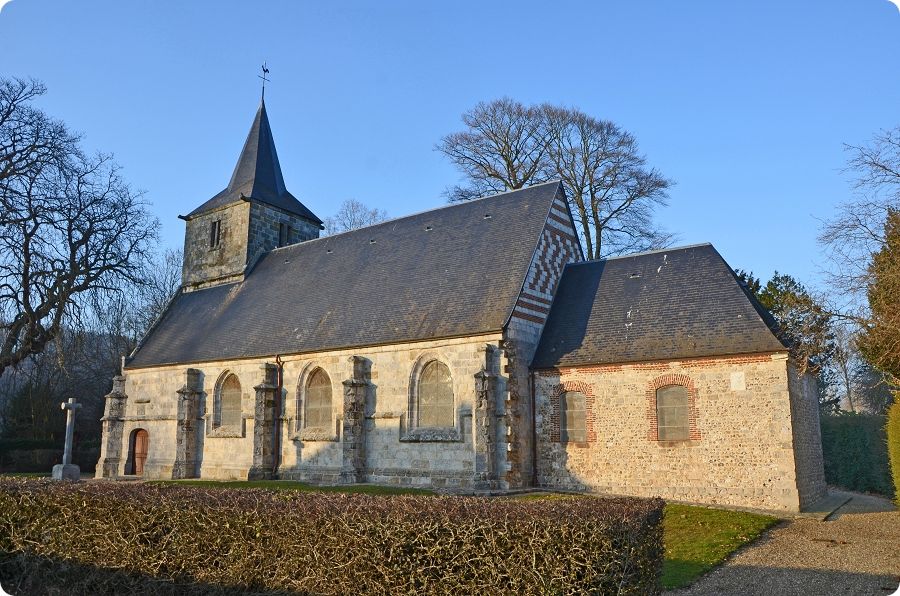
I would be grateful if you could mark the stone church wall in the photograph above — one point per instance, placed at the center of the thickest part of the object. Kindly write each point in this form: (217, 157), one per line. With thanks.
(807, 437)
(203, 263)
(392, 454)
(248, 228)
(745, 422)
(264, 226)
(557, 246)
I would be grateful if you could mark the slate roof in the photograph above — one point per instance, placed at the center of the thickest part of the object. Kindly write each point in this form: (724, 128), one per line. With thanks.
(442, 273)
(675, 303)
(257, 175)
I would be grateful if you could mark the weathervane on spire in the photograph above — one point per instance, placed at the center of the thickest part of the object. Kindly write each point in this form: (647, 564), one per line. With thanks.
(264, 79)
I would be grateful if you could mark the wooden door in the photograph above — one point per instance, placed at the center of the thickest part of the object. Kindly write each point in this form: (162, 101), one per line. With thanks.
(141, 442)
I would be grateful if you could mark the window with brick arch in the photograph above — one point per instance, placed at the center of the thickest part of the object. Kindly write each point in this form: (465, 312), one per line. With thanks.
(673, 421)
(229, 413)
(318, 401)
(573, 417)
(434, 397)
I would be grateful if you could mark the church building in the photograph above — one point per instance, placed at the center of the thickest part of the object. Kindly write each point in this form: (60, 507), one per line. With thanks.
(469, 348)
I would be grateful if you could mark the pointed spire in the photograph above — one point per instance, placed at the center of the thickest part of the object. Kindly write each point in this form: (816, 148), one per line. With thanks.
(258, 172)
(257, 175)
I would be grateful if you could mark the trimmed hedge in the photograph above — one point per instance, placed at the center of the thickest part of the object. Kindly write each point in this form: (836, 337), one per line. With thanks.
(893, 442)
(855, 452)
(337, 543)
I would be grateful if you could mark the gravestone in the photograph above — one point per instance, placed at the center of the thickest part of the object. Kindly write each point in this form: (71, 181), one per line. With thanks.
(67, 470)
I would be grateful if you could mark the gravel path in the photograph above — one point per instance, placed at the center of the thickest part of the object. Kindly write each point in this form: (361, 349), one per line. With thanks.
(856, 552)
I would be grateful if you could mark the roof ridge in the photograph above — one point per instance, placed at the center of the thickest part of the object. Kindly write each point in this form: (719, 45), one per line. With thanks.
(414, 214)
(644, 253)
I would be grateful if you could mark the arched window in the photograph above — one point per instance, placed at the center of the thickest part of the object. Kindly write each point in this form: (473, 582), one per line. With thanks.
(673, 413)
(229, 402)
(318, 401)
(572, 424)
(434, 406)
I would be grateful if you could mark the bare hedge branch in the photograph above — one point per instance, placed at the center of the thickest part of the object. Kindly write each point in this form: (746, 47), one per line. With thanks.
(336, 543)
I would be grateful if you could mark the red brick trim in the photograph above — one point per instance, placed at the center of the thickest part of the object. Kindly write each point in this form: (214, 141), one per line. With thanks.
(534, 307)
(527, 317)
(589, 411)
(534, 298)
(661, 365)
(663, 381)
(558, 219)
(560, 233)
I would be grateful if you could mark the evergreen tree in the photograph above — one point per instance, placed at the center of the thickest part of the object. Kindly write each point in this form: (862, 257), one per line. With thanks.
(803, 324)
(880, 339)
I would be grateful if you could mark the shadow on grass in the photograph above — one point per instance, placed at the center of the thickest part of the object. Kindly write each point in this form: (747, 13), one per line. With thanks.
(23, 574)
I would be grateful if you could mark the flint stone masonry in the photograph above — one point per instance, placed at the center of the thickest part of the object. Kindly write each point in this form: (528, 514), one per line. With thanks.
(248, 229)
(743, 453)
(264, 228)
(808, 458)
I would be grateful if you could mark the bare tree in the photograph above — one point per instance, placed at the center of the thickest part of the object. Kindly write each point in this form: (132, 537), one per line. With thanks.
(84, 355)
(504, 147)
(611, 190)
(128, 311)
(69, 225)
(160, 287)
(863, 244)
(351, 215)
(845, 360)
(874, 392)
(857, 232)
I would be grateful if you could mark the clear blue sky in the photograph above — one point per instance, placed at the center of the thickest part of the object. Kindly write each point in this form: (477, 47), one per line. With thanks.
(745, 104)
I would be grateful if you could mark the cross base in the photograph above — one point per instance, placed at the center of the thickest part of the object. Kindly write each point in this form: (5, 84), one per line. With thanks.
(66, 472)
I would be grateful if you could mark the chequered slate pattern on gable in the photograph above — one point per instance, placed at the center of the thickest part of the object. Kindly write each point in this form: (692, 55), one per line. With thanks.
(557, 247)
(443, 273)
(676, 303)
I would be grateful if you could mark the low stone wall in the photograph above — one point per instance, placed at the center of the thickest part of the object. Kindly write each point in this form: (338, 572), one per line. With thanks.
(741, 446)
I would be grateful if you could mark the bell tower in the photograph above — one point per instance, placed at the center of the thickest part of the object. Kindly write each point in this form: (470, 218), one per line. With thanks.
(254, 214)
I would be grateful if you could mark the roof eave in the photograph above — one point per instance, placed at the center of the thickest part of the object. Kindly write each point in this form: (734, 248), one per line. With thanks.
(579, 364)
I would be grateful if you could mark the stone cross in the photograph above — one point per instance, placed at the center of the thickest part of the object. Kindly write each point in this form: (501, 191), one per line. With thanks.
(66, 470)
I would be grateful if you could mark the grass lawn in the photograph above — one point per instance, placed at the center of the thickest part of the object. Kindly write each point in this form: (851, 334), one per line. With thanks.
(697, 539)
(368, 489)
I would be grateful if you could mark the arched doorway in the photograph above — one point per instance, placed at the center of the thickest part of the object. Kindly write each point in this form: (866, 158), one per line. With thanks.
(137, 452)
